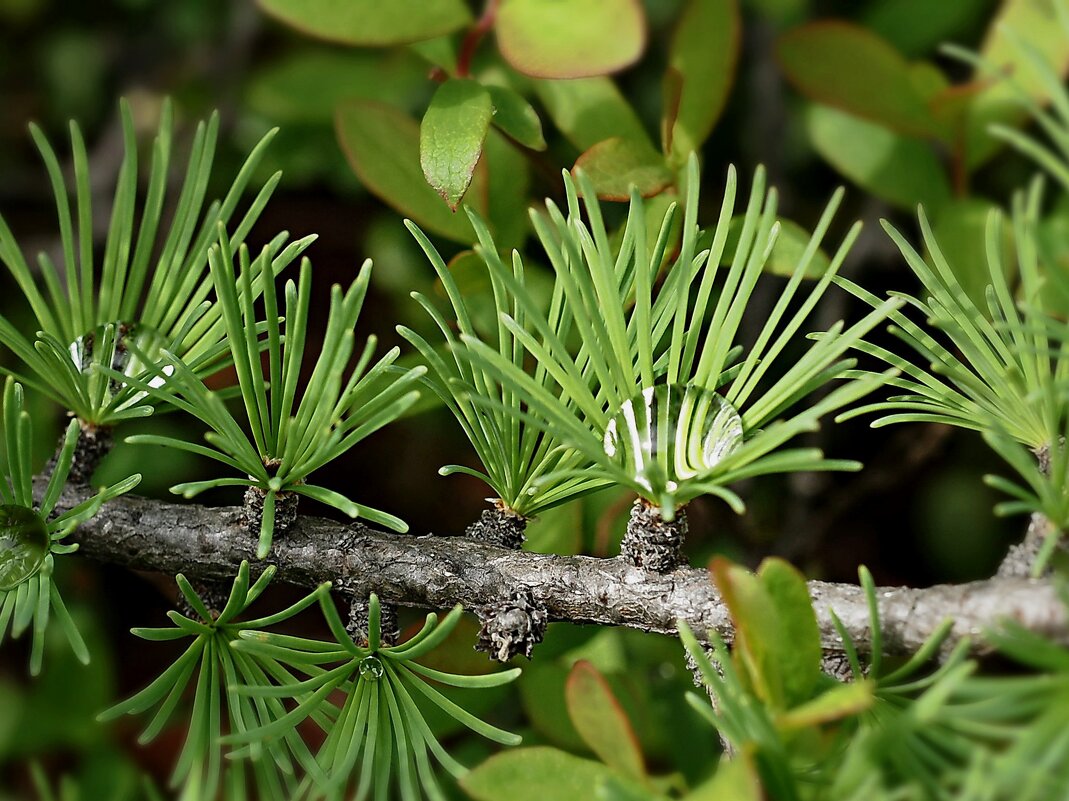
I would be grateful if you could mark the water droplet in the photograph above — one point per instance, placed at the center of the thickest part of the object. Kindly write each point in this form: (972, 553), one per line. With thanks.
(24, 544)
(116, 339)
(670, 433)
(371, 668)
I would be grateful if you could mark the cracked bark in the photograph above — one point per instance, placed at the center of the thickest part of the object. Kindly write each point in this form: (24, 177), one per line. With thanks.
(437, 572)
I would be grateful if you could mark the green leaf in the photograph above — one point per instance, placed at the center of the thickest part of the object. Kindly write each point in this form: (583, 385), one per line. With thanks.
(382, 145)
(369, 22)
(570, 38)
(508, 177)
(786, 253)
(735, 779)
(590, 110)
(839, 702)
(799, 645)
(701, 64)
(915, 27)
(959, 228)
(307, 86)
(901, 170)
(615, 165)
(535, 774)
(451, 137)
(517, 118)
(848, 67)
(1034, 22)
(601, 722)
(757, 630)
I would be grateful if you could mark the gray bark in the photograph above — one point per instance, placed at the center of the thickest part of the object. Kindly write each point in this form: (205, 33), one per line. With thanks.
(437, 572)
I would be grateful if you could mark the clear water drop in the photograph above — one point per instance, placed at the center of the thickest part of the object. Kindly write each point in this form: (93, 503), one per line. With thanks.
(24, 544)
(670, 433)
(110, 346)
(371, 668)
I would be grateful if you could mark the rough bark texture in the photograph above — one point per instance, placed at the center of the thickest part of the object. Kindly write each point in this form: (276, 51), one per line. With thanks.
(652, 542)
(438, 572)
(285, 510)
(499, 526)
(358, 622)
(511, 626)
(93, 445)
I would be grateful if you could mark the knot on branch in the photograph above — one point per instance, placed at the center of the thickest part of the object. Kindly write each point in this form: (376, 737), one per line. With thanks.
(357, 626)
(252, 512)
(94, 443)
(214, 594)
(651, 542)
(510, 627)
(499, 526)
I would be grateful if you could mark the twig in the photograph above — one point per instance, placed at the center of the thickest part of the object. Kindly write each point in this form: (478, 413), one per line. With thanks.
(437, 572)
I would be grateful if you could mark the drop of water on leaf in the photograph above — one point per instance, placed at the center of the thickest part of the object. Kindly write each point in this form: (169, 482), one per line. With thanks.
(109, 345)
(24, 544)
(670, 433)
(371, 668)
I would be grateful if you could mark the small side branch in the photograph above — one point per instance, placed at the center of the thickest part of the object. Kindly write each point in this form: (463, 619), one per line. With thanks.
(438, 572)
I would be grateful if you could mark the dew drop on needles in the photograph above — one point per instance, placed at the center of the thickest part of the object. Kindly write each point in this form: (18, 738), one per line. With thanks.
(110, 346)
(24, 545)
(371, 668)
(670, 432)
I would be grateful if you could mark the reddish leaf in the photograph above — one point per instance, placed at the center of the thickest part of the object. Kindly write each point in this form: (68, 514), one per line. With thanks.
(617, 164)
(601, 722)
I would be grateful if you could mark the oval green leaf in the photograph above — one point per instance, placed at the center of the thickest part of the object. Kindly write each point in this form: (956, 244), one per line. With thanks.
(590, 110)
(799, 647)
(617, 164)
(516, 118)
(570, 38)
(535, 774)
(370, 22)
(382, 145)
(701, 69)
(451, 137)
(848, 67)
(24, 544)
(902, 170)
(601, 722)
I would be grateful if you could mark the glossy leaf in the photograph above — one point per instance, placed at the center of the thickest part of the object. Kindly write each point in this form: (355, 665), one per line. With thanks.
(843, 65)
(308, 85)
(758, 633)
(590, 110)
(701, 63)
(382, 145)
(369, 22)
(514, 116)
(615, 165)
(799, 648)
(570, 38)
(451, 137)
(901, 170)
(1032, 21)
(601, 722)
(535, 774)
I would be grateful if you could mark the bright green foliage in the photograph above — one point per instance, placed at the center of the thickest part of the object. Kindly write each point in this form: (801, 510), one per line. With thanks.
(31, 535)
(380, 736)
(368, 22)
(1001, 370)
(150, 288)
(523, 464)
(451, 137)
(215, 670)
(898, 731)
(288, 438)
(650, 385)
